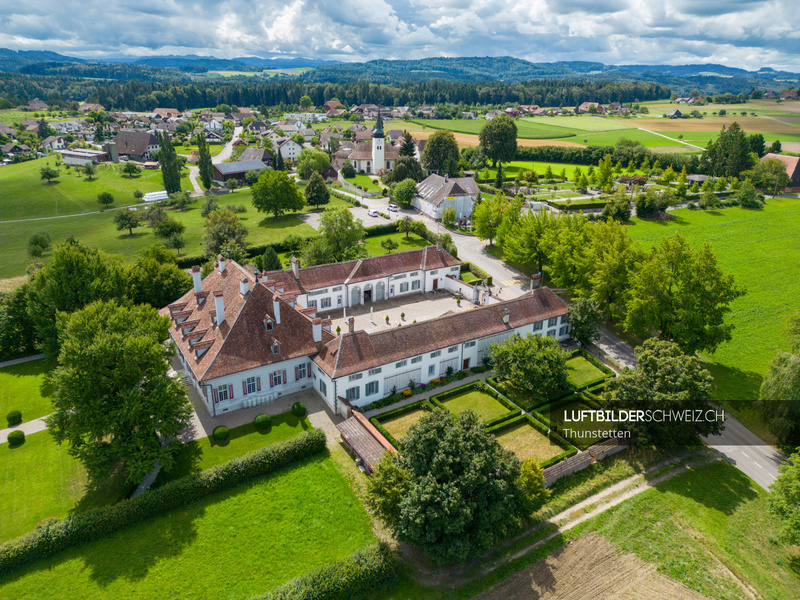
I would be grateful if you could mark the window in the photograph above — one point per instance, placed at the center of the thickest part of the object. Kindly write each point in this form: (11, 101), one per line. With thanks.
(319, 369)
(353, 393)
(551, 333)
(452, 349)
(538, 325)
(325, 303)
(323, 389)
(338, 288)
(469, 344)
(432, 370)
(222, 393)
(301, 371)
(434, 272)
(435, 354)
(276, 348)
(374, 371)
(318, 292)
(403, 276)
(414, 274)
(403, 287)
(355, 376)
(563, 319)
(277, 378)
(338, 301)
(372, 388)
(416, 359)
(269, 324)
(251, 385)
(564, 330)
(416, 284)
(312, 304)
(400, 364)
(552, 322)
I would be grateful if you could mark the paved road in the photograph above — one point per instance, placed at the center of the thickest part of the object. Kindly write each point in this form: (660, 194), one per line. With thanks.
(226, 152)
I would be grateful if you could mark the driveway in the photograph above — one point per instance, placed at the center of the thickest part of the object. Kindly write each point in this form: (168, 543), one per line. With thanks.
(226, 152)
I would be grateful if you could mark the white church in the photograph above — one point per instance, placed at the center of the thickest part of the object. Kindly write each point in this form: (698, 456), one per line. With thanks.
(374, 158)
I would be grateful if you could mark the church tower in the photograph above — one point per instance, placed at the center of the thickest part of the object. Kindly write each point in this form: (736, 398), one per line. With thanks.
(378, 156)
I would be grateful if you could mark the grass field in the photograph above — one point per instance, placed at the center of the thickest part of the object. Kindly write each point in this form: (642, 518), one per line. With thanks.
(482, 404)
(365, 182)
(584, 122)
(213, 149)
(234, 544)
(700, 527)
(527, 129)
(524, 441)
(202, 454)
(398, 426)
(26, 196)
(22, 388)
(760, 249)
(12, 116)
(99, 230)
(582, 371)
(39, 479)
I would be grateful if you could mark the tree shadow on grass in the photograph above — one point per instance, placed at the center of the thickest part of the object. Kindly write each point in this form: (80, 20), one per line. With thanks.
(104, 492)
(186, 461)
(732, 384)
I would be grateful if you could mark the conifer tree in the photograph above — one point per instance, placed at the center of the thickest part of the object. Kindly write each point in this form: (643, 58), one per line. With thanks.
(204, 161)
(170, 169)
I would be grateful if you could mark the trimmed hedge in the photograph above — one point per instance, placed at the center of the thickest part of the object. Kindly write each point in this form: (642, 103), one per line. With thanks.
(14, 418)
(262, 421)
(514, 411)
(16, 438)
(478, 272)
(221, 433)
(100, 522)
(376, 420)
(363, 571)
(299, 409)
(579, 205)
(553, 436)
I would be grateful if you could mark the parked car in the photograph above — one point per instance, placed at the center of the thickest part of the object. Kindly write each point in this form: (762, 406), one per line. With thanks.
(372, 212)
(393, 207)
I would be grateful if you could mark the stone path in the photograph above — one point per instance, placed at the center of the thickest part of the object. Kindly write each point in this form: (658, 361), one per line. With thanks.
(28, 427)
(19, 361)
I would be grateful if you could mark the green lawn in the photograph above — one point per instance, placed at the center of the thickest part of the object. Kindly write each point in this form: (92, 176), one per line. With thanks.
(760, 249)
(365, 182)
(233, 545)
(584, 122)
(398, 426)
(481, 403)
(26, 196)
(22, 388)
(99, 230)
(586, 431)
(688, 525)
(39, 479)
(205, 453)
(214, 149)
(524, 441)
(582, 371)
(11, 116)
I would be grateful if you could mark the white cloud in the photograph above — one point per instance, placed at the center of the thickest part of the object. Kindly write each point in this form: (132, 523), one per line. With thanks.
(748, 33)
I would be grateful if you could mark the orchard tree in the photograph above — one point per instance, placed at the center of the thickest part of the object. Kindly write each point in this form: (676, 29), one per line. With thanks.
(534, 363)
(665, 379)
(167, 227)
(441, 153)
(130, 169)
(316, 191)
(89, 170)
(498, 139)
(48, 173)
(123, 416)
(105, 198)
(276, 193)
(224, 231)
(680, 294)
(585, 317)
(127, 219)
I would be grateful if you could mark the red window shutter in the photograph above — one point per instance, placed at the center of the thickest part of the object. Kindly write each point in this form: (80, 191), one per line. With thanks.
(258, 384)
(244, 388)
(284, 377)
(216, 396)
(308, 372)
(271, 380)
(230, 392)
(297, 373)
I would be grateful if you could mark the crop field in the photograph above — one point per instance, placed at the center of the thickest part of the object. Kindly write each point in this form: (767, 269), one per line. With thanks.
(584, 122)
(525, 128)
(12, 116)
(524, 441)
(759, 248)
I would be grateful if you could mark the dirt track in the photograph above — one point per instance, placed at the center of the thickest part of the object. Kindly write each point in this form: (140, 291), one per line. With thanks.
(590, 569)
(464, 140)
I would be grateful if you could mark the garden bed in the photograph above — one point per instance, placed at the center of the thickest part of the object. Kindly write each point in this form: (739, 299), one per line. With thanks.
(583, 373)
(484, 401)
(394, 424)
(528, 438)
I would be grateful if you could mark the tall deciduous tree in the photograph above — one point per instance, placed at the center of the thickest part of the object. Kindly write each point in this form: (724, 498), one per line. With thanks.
(779, 400)
(276, 193)
(312, 161)
(525, 243)
(114, 400)
(316, 191)
(224, 231)
(130, 169)
(127, 219)
(341, 232)
(155, 279)
(441, 153)
(48, 173)
(680, 294)
(204, 163)
(488, 215)
(498, 139)
(170, 167)
(784, 499)
(17, 332)
(585, 317)
(404, 191)
(665, 379)
(535, 364)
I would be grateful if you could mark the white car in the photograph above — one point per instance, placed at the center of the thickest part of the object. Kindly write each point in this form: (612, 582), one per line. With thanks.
(372, 212)
(393, 207)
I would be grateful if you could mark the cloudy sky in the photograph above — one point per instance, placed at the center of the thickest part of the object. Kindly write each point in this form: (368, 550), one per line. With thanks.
(741, 33)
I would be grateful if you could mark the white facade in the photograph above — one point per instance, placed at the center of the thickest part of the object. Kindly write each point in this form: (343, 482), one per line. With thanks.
(378, 160)
(290, 150)
(463, 205)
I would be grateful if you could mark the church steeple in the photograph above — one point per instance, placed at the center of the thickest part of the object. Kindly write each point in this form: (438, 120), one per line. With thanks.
(378, 131)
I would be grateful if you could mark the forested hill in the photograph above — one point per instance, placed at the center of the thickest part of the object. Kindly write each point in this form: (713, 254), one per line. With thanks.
(13, 60)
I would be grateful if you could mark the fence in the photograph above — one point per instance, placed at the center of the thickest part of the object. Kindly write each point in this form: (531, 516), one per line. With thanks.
(583, 459)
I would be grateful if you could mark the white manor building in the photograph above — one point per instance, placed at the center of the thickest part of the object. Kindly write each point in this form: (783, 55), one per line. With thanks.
(246, 338)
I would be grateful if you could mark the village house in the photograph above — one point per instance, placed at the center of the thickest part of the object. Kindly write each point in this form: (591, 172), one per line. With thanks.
(436, 193)
(139, 146)
(792, 167)
(35, 104)
(245, 338)
(674, 114)
(53, 142)
(6, 130)
(586, 107)
(260, 154)
(90, 106)
(235, 170)
(166, 113)
(71, 126)
(288, 148)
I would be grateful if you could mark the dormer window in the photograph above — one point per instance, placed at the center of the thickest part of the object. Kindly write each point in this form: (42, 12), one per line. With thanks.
(269, 324)
(276, 348)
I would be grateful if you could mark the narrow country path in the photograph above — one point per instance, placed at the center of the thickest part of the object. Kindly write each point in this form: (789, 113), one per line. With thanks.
(671, 139)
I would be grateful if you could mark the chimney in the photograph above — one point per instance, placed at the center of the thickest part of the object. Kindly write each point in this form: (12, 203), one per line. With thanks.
(221, 261)
(244, 285)
(276, 308)
(506, 315)
(439, 244)
(316, 329)
(295, 267)
(197, 278)
(219, 305)
(351, 325)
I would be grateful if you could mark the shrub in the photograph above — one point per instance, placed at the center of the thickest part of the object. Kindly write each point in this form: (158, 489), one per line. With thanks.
(101, 522)
(262, 421)
(16, 438)
(363, 571)
(221, 433)
(299, 409)
(14, 418)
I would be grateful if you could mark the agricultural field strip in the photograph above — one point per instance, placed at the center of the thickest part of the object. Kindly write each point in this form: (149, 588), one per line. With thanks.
(671, 139)
(80, 214)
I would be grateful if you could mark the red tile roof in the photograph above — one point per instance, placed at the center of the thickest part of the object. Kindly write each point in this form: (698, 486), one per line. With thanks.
(357, 351)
